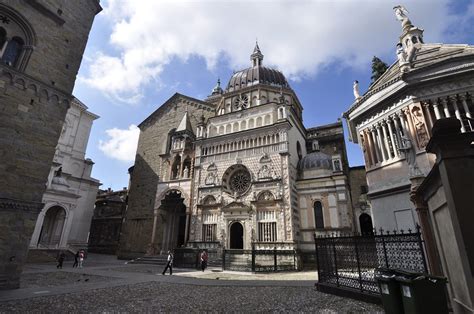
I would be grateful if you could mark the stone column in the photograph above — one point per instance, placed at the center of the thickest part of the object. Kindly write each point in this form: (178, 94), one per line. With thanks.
(463, 99)
(392, 138)
(385, 139)
(374, 142)
(444, 101)
(152, 247)
(457, 113)
(373, 157)
(397, 131)
(380, 141)
(365, 148)
(427, 112)
(436, 109)
(411, 127)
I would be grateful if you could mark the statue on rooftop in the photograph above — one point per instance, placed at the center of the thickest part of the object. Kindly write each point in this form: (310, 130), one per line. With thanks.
(356, 90)
(401, 15)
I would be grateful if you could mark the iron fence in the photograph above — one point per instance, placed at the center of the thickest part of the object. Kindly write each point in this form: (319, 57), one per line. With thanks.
(258, 260)
(349, 262)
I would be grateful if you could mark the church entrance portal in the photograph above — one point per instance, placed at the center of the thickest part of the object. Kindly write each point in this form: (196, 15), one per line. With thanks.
(175, 220)
(52, 228)
(366, 227)
(236, 236)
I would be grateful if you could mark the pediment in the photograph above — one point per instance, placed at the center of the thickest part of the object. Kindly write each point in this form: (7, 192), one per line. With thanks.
(174, 101)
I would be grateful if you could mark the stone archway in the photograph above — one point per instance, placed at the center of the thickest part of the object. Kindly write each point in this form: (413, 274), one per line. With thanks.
(174, 211)
(365, 222)
(52, 228)
(236, 236)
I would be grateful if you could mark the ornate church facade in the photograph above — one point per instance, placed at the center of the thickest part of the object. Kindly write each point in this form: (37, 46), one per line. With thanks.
(237, 170)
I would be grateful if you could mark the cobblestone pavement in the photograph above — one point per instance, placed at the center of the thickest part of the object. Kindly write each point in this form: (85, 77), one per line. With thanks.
(115, 287)
(168, 297)
(51, 279)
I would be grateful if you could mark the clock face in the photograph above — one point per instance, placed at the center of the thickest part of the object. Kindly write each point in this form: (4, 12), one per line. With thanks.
(241, 102)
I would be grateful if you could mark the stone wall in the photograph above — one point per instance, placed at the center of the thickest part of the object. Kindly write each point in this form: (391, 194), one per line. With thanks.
(34, 99)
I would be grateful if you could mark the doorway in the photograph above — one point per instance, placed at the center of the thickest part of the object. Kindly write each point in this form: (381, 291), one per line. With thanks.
(236, 236)
(175, 229)
(366, 227)
(52, 228)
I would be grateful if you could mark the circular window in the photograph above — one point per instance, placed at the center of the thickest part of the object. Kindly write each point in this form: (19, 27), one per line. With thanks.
(240, 181)
(237, 180)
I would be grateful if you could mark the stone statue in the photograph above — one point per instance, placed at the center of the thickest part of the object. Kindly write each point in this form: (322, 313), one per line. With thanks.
(356, 90)
(410, 157)
(421, 132)
(186, 172)
(401, 54)
(401, 15)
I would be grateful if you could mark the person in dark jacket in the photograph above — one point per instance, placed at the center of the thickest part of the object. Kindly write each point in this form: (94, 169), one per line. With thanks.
(76, 260)
(61, 259)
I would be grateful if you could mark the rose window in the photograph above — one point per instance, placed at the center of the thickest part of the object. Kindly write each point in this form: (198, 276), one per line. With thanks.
(240, 181)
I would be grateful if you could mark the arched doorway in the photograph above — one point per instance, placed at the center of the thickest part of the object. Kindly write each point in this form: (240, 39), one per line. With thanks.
(365, 222)
(52, 229)
(236, 236)
(175, 220)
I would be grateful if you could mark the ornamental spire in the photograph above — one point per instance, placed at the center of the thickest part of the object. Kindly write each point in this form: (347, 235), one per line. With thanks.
(256, 56)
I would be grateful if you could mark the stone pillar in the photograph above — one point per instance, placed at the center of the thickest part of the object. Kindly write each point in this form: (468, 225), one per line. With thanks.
(152, 247)
(444, 101)
(365, 148)
(411, 127)
(421, 207)
(436, 109)
(381, 141)
(392, 138)
(427, 111)
(463, 99)
(457, 113)
(397, 131)
(385, 137)
(374, 142)
(449, 194)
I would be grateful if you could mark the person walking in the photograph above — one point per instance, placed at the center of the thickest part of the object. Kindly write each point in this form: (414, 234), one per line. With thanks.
(61, 259)
(169, 264)
(81, 258)
(76, 259)
(204, 258)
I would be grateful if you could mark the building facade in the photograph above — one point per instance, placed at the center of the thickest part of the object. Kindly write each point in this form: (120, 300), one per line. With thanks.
(393, 120)
(236, 170)
(109, 212)
(65, 219)
(41, 47)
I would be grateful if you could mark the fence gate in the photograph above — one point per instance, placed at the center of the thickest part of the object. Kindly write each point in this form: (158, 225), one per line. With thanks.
(346, 264)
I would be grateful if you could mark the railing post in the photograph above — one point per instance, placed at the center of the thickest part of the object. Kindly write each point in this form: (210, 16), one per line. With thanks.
(358, 263)
(420, 243)
(275, 267)
(335, 260)
(317, 256)
(384, 248)
(253, 257)
(223, 258)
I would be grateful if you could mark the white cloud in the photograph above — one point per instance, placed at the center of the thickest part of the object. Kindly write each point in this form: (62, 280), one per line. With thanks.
(298, 37)
(121, 144)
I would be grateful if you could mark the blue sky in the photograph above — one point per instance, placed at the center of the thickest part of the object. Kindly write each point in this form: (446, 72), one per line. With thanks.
(140, 55)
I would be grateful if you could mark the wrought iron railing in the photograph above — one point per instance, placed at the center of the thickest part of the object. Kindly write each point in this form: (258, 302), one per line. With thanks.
(260, 260)
(349, 262)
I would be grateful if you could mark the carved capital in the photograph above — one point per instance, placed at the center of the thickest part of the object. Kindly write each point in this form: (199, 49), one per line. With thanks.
(462, 97)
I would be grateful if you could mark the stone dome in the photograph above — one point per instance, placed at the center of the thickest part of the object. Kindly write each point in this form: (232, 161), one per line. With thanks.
(315, 160)
(257, 74)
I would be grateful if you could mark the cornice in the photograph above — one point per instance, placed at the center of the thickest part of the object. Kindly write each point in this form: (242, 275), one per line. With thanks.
(7, 204)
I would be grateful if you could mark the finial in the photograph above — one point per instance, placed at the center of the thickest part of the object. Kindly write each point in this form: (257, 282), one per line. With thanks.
(256, 56)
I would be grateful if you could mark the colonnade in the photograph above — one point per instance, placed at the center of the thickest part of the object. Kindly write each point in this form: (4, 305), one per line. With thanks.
(382, 139)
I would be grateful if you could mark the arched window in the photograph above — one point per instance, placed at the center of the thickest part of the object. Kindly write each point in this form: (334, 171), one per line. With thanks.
(12, 51)
(318, 215)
